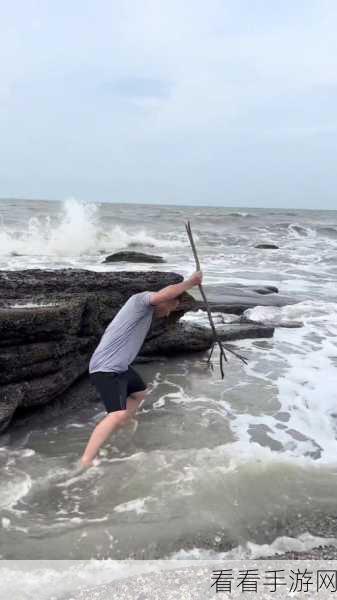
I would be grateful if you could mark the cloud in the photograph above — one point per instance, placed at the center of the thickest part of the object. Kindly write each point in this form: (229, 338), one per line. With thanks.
(184, 96)
(137, 87)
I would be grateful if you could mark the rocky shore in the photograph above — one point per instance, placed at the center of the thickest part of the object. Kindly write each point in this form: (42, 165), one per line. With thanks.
(51, 321)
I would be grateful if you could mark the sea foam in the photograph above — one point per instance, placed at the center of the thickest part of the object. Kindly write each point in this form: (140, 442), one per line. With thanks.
(76, 231)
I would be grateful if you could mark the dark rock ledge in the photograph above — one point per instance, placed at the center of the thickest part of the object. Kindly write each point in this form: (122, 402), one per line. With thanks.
(132, 256)
(51, 321)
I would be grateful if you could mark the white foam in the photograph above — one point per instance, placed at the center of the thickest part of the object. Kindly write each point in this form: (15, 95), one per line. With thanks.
(137, 506)
(50, 580)
(308, 392)
(306, 383)
(32, 305)
(66, 478)
(240, 214)
(200, 316)
(312, 313)
(14, 486)
(262, 314)
(73, 234)
(298, 231)
(5, 522)
(250, 551)
(139, 238)
(76, 231)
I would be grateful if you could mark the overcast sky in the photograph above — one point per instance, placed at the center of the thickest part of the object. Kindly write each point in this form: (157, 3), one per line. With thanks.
(230, 102)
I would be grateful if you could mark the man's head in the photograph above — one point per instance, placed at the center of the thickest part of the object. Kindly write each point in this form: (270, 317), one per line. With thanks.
(165, 308)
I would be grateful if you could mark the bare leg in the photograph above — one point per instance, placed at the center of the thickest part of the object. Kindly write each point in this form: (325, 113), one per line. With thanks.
(133, 403)
(108, 425)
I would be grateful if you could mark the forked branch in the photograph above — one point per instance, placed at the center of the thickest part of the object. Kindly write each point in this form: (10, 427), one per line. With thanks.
(216, 339)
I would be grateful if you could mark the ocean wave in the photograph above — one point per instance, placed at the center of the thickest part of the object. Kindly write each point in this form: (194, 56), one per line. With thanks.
(329, 260)
(308, 310)
(330, 232)
(300, 231)
(15, 485)
(249, 551)
(138, 506)
(240, 214)
(76, 231)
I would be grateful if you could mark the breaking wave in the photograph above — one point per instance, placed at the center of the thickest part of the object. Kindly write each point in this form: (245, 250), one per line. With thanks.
(300, 231)
(330, 232)
(240, 214)
(76, 231)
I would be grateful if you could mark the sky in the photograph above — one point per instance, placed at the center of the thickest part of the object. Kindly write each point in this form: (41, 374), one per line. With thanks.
(230, 103)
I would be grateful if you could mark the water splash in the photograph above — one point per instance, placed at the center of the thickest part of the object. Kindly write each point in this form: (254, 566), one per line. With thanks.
(77, 230)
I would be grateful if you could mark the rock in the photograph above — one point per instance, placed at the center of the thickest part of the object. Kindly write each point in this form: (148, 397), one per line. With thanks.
(189, 337)
(285, 324)
(259, 289)
(326, 552)
(268, 289)
(267, 246)
(41, 323)
(40, 358)
(44, 286)
(131, 256)
(141, 359)
(46, 343)
(51, 322)
(236, 299)
(288, 324)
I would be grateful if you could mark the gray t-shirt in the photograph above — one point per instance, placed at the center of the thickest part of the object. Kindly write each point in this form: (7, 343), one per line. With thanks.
(124, 336)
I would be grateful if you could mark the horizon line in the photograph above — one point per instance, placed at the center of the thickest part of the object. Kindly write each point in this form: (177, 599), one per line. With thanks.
(166, 205)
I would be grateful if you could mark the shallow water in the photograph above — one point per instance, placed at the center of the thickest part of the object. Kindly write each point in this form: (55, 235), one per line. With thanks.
(214, 466)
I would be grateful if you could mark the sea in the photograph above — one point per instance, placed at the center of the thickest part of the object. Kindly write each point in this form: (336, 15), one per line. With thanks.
(216, 468)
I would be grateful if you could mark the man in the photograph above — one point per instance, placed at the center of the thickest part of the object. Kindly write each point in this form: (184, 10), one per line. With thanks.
(120, 387)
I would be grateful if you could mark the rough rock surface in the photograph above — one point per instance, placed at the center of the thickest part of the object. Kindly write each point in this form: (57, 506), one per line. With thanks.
(46, 344)
(131, 256)
(51, 321)
(235, 299)
(188, 337)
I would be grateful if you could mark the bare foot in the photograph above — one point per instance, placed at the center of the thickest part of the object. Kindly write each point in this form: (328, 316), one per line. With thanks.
(85, 464)
(132, 426)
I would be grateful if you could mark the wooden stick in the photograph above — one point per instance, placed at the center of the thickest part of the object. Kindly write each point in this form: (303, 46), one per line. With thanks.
(216, 338)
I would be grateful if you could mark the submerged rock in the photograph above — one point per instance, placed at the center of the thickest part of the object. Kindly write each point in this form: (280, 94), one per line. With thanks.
(267, 246)
(132, 256)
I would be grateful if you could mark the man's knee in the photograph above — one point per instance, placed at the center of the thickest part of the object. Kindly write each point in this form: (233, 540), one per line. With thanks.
(135, 401)
(139, 396)
(118, 416)
(123, 416)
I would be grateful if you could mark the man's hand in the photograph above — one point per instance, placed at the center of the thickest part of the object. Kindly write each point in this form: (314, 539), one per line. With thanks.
(196, 278)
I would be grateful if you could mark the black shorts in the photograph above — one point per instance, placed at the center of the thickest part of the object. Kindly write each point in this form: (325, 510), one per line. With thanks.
(114, 388)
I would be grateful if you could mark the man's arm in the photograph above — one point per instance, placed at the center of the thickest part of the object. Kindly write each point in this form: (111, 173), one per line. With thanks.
(173, 291)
